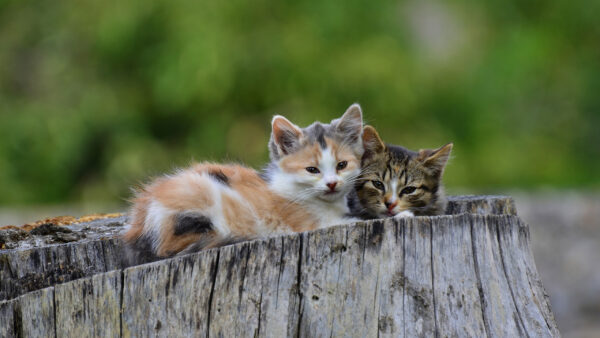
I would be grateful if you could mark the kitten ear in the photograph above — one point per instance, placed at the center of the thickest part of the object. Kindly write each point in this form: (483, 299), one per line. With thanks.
(372, 142)
(351, 123)
(285, 136)
(435, 159)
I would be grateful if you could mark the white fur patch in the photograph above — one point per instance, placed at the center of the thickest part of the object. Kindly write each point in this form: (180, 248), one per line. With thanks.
(159, 215)
(215, 212)
(394, 187)
(309, 190)
(403, 214)
(328, 164)
(156, 217)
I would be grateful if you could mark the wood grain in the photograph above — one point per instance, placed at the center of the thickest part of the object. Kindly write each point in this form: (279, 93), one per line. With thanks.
(455, 275)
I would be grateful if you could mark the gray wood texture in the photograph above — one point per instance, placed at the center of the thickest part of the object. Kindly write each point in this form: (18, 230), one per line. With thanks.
(481, 205)
(25, 270)
(456, 276)
(30, 315)
(89, 307)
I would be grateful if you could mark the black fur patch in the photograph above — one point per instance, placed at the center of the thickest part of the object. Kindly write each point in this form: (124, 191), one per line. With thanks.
(219, 176)
(139, 251)
(320, 136)
(321, 140)
(192, 223)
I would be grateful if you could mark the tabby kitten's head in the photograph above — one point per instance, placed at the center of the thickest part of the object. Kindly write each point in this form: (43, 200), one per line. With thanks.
(320, 161)
(395, 179)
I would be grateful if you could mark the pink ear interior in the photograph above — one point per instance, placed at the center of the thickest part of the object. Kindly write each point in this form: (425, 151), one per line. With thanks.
(351, 121)
(285, 134)
(371, 141)
(437, 158)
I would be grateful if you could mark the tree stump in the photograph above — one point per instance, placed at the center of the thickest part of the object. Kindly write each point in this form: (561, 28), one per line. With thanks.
(454, 275)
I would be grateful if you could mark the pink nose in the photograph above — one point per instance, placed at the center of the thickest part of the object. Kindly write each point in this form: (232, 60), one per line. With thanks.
(391, 206)
(331, 186)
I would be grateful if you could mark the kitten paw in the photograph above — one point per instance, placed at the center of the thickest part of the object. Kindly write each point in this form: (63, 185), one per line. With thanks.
(403, 214)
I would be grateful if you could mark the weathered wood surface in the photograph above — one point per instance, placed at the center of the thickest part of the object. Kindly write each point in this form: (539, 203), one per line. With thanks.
(30, 315)
(89, 307)
(462, 275)
(481, 205)
(25, 270)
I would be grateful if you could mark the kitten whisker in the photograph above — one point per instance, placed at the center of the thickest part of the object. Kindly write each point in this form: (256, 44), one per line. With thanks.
(406, 170)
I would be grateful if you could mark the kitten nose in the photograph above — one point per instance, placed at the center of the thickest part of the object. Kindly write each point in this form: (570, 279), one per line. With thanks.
(331, 186)
(391, 206)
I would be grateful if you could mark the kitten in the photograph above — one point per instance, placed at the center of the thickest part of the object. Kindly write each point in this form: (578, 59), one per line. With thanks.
(398, 182)
(304, 187)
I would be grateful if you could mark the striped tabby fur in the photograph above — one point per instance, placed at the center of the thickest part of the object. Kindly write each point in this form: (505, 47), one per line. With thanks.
(399, 182)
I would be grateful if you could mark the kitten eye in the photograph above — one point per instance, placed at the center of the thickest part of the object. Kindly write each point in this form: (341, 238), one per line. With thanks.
(408, 190)
(342, 165)
(312, 170)
(378, 185)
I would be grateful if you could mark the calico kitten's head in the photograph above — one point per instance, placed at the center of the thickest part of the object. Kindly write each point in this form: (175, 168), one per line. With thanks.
(321, 160)
(395, 179)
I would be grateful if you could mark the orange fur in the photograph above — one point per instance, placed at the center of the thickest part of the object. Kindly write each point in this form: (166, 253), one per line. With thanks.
(184, 191)
(239, 217)
(137, 217)
(310, 155)
(190, 189)
(208, 204)
(343, 154)
(174, 244)
(306, 157)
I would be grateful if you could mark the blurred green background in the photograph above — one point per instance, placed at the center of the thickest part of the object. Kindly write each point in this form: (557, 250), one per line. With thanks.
(96, 96)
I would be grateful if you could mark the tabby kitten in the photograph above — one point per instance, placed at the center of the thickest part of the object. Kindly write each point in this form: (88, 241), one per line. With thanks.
(398, 182)
(304, 188)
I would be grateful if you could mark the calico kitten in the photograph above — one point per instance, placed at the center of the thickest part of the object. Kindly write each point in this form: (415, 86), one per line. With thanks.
(304, 188)
(398, 182)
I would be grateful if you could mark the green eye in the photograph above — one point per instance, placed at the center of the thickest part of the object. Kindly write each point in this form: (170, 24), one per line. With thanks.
(408, 190)
(312, 170)
(378, 185)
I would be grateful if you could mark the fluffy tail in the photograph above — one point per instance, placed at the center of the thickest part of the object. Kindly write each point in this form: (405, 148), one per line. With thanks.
(190, 210)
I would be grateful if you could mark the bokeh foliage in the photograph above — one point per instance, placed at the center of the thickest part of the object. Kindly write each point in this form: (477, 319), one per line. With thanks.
(95, 96)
